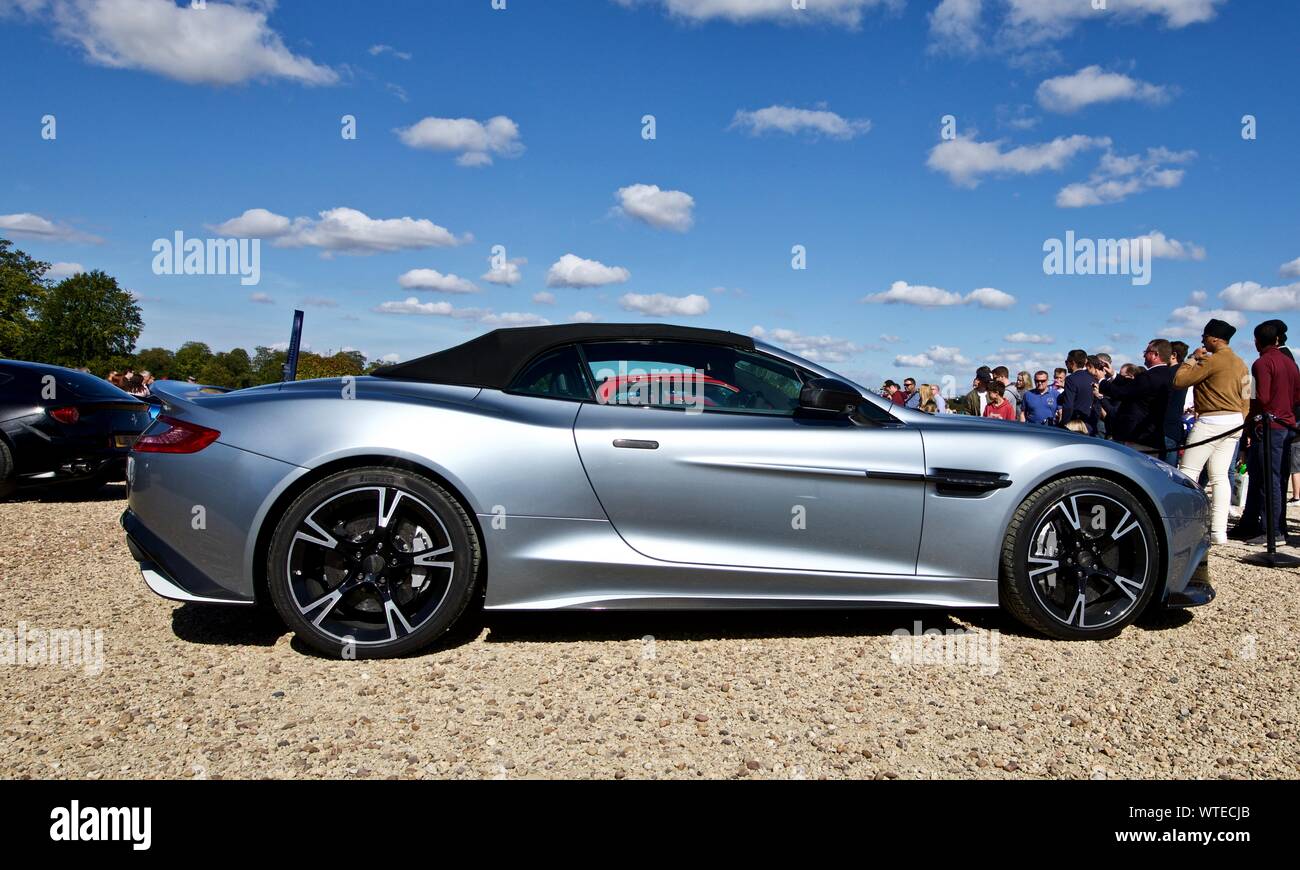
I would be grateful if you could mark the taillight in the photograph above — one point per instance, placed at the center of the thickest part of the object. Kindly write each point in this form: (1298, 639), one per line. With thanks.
(178, 437)
(66, 415)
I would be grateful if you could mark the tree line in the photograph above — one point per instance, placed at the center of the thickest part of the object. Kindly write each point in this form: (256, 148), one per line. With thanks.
(88, 321)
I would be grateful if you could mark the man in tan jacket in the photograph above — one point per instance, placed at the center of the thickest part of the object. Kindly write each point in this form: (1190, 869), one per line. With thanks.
(1220, 385)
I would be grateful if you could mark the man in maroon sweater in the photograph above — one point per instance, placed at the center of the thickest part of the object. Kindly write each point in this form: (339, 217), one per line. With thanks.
(1277, 392)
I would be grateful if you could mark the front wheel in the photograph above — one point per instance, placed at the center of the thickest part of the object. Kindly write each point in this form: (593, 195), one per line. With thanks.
(373, 563)
(1081, 559)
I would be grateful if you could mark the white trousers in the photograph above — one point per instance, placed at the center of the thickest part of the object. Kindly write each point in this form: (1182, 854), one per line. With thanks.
(1217, 455)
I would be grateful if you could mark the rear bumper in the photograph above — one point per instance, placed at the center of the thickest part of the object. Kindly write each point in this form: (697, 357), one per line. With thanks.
(166, 572)
(75, 468)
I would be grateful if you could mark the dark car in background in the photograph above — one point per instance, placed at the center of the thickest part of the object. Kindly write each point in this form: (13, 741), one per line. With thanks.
(66, 428)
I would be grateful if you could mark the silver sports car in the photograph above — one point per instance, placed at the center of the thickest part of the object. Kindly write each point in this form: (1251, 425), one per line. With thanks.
(639, 467)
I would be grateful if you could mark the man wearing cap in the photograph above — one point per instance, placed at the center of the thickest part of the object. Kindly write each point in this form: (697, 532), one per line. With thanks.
(973, 403)
(1220, 386)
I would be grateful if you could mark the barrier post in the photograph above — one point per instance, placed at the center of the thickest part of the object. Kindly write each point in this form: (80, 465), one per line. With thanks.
(1271, 558)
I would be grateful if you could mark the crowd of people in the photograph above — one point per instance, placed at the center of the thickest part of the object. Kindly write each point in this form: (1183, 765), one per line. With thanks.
(133, 382)
(1194, 409)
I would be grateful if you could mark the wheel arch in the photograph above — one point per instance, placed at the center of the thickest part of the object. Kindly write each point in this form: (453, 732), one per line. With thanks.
(271, 517)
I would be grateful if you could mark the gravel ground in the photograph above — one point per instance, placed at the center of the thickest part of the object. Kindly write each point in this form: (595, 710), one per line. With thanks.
(199, 692)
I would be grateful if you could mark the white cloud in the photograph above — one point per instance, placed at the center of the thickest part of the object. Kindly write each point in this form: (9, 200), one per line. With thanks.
(663, 305)
(1018, 117)
(990, 297)
(1165, 248)
(787, 119)
(319, 302)
(938, 355)
(844, 12)
(64, 270)
(1066, 94)
(513, 318)
(1291, 269)
(25, 225)
(222, 44)
(1197, 297)
(965, 160)
(955, 26)
(254, 223)
(544, 297)
(818, 348)
(1249, 296)
(1116, 177)
(902, 293)
(477, 141)
(1034, 21)
(376, 50)
(573, 271)
(583, 317)
(662, 209)
(1042, 307)
(343, 230)
(1028, 338)
(506, 274)
(390, 358)
(1162, 248)
(1025, 29)
(261, 299)
(1191, 319)
(890, 339)
(432, 279)
(413, 306)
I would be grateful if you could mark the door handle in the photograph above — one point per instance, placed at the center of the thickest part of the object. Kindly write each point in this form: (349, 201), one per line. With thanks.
(633, 444)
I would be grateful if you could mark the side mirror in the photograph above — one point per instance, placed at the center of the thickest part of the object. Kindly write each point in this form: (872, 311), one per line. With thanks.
(830, 395)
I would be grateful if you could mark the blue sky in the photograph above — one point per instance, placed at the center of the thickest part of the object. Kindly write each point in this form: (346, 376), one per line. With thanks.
(775, 127)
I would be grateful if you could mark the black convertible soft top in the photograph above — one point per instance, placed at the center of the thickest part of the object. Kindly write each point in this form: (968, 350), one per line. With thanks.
(492, 360)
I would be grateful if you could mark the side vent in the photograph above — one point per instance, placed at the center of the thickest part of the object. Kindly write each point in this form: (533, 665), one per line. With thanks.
(960, 481)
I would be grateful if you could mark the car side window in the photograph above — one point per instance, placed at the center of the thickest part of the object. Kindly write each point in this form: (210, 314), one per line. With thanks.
(556, 374)
(680, 374)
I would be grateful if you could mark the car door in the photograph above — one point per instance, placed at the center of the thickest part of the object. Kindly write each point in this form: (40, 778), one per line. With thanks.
(737, 477)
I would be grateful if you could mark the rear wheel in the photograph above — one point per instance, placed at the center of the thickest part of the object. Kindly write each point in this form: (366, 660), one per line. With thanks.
(373, 563)
(1081, 559)
(6, 469)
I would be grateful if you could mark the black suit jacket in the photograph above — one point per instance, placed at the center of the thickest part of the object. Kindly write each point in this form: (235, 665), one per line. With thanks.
(1143, 403)
(1077, 401)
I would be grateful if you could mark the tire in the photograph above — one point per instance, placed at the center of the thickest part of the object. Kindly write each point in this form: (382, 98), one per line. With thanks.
(1081, 559)
(403, 566)
(7, 468)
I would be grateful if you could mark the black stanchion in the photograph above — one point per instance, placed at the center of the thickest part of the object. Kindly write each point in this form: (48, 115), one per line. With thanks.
(1270, 558)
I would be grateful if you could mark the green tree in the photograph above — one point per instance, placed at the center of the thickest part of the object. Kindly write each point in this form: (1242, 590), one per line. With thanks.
(268, 365)
(233, 370)
(158, 361)
(313, 365)
(85, 318)
(190, 359)
(22, 289)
